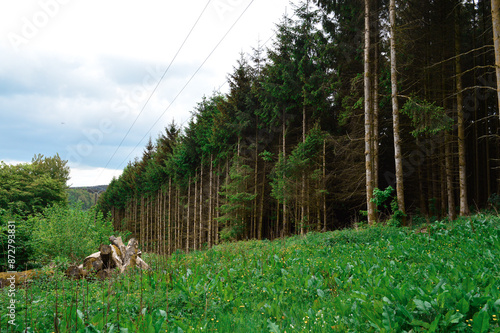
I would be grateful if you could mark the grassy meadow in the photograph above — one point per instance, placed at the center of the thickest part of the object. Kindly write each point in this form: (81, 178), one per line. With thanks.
(443, 277)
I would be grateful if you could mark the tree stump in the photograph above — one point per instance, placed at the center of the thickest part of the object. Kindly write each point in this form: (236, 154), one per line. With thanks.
(110, 256)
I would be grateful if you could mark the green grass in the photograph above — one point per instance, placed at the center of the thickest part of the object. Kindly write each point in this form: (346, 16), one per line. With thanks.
(379, 279)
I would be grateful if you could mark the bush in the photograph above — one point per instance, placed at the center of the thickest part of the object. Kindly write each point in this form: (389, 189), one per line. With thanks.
(70, 233)
(20, 248)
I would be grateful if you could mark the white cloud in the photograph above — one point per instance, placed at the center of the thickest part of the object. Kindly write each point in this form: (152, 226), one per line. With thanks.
(92, 176)
(82, 64)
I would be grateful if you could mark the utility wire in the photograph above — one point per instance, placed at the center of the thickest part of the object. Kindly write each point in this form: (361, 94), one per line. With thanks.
(264, 44)
(156, 87)
(189, 81)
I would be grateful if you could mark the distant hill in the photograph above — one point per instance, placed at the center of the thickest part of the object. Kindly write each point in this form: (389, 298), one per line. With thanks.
(91, 189)
(86, 195)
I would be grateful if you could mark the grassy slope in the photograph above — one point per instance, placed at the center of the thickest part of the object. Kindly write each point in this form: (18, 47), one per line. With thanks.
(376, 280)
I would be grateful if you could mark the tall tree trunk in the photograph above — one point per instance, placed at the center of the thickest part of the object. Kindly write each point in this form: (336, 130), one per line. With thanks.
(164, 228)
(170, 236)
(285, 224)
(398, 157)
(188, 214)
(178, 222)
(368, 119)
(261, 208)
(210, 231)
(158, 222)
(136, 218)
(195, 215)
(256, 182)
(449, 178)
(375, 97)
(200, 202)
(303, 186)
(324, 185)
(462, 164)
(217, 205)
(495, 16)
(141, 229)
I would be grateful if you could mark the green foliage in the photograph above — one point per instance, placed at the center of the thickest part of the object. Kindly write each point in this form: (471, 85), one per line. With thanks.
(287, 172)
(381, 279)
(426, 117)
(28, 188)
(381, 198)
(348, 109)
(266, 156)
(238, 198)
(70, 233)
(20, 248)
(80, 196)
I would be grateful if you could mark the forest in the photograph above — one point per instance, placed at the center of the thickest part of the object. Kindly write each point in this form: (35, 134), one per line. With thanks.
(355, 112)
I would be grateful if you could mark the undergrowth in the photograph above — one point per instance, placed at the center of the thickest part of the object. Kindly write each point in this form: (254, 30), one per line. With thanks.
(444, 278)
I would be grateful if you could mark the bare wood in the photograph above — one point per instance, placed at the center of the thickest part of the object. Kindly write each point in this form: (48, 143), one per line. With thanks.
(200, 202)
(18, 278)
(104, 274)
(93, 262)
(210, 236)
(368, 118)
(170, 238)
(375, 100)
(195, 214)
(105, 254)
(142, 264)
(285, 225)
(116, 261)
(130, 253)
(495, 16)
(188, 215)
(76, 272)
(462, 163)
(119, 243)
(395, 115)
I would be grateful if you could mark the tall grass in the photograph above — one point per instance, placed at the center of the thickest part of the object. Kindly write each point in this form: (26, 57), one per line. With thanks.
(380, 279)
(71, 233)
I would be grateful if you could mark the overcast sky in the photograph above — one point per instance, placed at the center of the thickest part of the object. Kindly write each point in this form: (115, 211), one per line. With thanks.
(75, 74)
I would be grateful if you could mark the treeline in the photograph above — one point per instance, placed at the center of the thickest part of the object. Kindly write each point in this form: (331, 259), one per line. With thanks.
(27, 188)
(306, 132)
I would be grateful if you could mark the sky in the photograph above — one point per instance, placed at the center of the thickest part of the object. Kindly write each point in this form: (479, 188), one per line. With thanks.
(79, 78)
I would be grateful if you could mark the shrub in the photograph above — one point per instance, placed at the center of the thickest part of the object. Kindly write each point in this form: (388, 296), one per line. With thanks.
(21, 248)
(69, 232)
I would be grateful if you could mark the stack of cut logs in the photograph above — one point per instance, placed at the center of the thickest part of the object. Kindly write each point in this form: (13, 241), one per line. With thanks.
(113, 257)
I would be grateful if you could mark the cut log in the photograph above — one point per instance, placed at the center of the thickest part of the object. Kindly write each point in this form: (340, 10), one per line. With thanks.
(115, 259)
(105, 253)
(119, 243)
(142, 264)
(104, 274)
(113, 256)
(117, 250)
(93, 262)
(76, 272)
(18, 278)
(130, 255)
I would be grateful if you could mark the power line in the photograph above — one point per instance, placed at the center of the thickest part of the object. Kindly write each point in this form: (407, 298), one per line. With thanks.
(189, 81)
(264, 44)
(156, 87)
